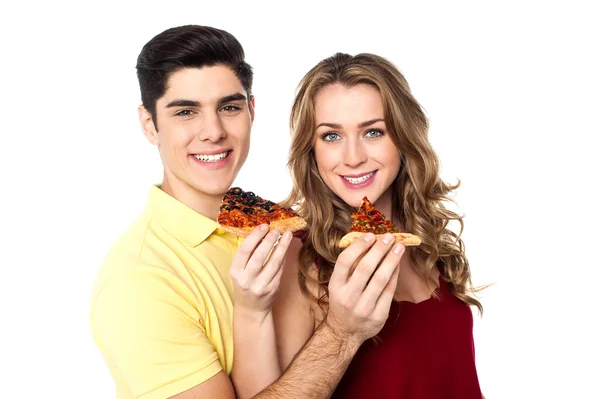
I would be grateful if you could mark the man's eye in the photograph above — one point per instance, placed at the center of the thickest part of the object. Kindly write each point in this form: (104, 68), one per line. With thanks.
(231, 108)
(184, 112)
(331, 136)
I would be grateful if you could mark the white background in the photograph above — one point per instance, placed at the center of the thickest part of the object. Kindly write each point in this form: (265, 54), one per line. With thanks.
(512, 92)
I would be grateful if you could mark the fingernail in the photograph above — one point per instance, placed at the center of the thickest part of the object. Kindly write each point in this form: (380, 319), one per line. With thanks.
(263, 227)
(369, 237)
(387, 238)
(398, 249)
(275, 233)
(287, 236)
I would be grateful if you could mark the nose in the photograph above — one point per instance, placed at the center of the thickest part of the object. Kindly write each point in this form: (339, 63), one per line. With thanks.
(211, 129)
(354, 153)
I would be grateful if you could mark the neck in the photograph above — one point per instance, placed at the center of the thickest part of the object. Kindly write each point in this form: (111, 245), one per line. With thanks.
(205, 204)
(412, 287)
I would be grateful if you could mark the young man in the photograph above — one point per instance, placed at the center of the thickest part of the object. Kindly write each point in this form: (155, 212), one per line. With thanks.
(162, 304)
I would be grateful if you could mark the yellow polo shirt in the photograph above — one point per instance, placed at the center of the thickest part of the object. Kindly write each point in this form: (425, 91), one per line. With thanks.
(162, 303)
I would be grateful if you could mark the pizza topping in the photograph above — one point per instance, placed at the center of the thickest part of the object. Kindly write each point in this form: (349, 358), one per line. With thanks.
(246, 209)
(369, 220)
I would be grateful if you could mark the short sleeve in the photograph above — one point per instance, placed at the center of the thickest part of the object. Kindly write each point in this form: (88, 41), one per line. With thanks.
(147, 324)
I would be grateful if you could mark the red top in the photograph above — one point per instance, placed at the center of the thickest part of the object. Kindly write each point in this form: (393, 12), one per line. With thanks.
(426, 352)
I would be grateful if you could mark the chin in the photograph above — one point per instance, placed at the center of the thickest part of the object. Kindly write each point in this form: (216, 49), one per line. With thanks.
(351, 200)
(355, 199)
(217, 187)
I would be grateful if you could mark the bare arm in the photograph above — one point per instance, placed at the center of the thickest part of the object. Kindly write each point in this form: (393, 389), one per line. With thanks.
(255, 361)
(317, 369)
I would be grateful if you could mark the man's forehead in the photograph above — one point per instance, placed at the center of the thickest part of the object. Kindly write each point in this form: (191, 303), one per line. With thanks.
(206, 84)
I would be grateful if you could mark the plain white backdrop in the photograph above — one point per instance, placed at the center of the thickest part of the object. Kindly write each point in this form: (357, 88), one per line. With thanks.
(512, 93)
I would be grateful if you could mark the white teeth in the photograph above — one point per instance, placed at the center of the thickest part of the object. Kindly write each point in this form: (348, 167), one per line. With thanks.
(211, 158)
(357, 180)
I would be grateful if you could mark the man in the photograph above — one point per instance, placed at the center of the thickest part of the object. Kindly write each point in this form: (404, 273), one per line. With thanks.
(162, 304)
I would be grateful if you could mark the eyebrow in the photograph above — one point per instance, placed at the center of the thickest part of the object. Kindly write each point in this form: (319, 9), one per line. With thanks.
(232, 97)
(360, 125)
(183, 103)
(192, 103)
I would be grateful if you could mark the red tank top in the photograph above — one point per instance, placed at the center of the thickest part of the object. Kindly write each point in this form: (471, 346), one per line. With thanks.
(425, 351)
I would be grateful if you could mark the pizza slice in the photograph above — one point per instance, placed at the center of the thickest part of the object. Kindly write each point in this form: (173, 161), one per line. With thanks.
(242, 211)
(369, 220)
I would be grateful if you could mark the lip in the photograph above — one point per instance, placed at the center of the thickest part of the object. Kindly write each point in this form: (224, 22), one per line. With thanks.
(212, 165)
(361, 184)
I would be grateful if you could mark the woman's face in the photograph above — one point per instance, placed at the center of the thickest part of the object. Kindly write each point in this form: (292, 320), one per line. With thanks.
(355, 154)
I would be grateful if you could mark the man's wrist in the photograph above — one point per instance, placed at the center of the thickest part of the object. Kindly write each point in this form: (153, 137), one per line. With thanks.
(348, 344)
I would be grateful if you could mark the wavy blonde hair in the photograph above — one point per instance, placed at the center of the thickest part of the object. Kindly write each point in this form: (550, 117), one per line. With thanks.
(418, 193)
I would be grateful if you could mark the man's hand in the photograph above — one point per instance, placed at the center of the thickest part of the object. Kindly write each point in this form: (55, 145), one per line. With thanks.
(360, 298)
(256, 269)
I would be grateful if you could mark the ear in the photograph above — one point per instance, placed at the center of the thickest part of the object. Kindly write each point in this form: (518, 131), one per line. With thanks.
(147, 125)
(251, 106)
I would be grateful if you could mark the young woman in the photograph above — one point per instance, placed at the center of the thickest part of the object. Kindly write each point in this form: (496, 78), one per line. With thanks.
(357, 131)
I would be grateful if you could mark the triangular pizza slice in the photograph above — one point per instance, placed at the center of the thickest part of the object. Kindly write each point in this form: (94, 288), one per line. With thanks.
(369, 220)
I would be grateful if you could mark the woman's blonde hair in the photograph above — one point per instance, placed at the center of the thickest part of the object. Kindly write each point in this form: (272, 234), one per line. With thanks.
(418, 192)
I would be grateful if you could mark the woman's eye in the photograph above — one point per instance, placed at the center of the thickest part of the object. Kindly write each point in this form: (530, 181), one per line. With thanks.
(331, 136)
(373, 133)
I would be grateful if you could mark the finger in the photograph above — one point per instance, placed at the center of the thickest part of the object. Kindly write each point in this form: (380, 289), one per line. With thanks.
(382, 307)
(247, 247)
(261, 253)
(273, 285)
(275, 261)
(344, 263)
(365, 268)
(383, 279)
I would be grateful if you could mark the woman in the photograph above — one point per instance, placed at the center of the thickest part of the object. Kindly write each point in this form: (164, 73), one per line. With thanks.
(357, 131)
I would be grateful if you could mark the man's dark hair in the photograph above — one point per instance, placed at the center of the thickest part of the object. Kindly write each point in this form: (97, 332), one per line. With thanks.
(189, 46)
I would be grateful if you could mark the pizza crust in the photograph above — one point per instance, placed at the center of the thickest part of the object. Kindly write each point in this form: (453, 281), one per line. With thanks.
(290, 224)
(406, 239)
(237, 231)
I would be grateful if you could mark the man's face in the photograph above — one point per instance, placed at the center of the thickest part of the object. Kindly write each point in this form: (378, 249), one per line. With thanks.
(203, 131)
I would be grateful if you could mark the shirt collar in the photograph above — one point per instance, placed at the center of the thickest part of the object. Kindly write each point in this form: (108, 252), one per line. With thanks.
(178, 219)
